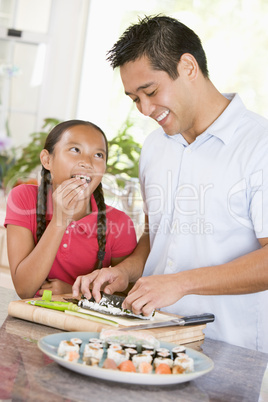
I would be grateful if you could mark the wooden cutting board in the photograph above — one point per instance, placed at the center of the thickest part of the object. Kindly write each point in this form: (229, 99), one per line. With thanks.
(58, 319)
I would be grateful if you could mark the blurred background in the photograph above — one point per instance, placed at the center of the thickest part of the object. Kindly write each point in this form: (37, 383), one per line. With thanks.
(53, 67)
(53, 58)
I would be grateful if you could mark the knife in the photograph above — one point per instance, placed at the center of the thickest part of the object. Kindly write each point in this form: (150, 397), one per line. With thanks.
(187, 320)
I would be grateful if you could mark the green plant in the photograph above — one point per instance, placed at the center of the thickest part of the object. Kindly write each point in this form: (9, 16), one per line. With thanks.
(123, 160)
(124, 154)
(29, 155)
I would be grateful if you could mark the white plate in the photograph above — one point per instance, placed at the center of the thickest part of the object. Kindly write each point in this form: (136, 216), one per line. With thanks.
(49, 345)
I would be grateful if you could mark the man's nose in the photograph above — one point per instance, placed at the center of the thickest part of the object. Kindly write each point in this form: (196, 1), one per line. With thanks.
(145, 107)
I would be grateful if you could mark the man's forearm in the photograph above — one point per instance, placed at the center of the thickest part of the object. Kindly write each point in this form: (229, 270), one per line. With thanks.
(134, 264)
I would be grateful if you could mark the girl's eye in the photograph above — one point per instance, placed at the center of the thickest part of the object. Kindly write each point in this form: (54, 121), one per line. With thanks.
(75, 149)
(99, 155)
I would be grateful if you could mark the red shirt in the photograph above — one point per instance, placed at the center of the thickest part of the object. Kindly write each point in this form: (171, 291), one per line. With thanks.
(77, 253)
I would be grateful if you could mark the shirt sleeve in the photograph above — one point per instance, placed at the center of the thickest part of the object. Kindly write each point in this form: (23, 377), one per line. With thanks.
(122, 234)
(21, 206)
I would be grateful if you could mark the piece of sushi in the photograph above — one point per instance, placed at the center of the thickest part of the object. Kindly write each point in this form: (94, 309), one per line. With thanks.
(145, 367)
(114, 346)
(67, 346)
(71, 356)
(178, 370)
(160, 360)
(139, 358)
(178, 349)
(164, 355)
(163, 368)
(161, 350)
(91, 350)
(77, 341)
(132, 352)
(186, 362)
(129, 346)
(147, 347)
(91, 361)
(95, 340)
(109, 364)
(149, 352)
(117, 355)
(127, 365)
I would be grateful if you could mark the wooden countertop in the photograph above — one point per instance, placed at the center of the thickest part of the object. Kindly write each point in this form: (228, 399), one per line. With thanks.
(28, 375)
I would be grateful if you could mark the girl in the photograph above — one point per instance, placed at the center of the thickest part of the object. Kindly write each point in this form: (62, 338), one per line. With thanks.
(63, 229)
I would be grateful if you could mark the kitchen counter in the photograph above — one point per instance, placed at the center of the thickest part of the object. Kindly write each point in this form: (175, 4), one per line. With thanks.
(26, 374)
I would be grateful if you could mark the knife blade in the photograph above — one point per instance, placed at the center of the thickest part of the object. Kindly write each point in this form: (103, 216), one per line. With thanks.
(187, 320)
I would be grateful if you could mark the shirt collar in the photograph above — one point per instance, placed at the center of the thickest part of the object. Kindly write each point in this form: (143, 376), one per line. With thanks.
(227, 123)
(224, 126)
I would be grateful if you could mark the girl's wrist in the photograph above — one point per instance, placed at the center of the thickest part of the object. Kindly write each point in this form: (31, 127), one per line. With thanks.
(59, 223)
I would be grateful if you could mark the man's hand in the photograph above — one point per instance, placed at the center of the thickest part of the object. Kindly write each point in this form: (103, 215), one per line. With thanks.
(58, 287)
(109, 280)
(152, 292)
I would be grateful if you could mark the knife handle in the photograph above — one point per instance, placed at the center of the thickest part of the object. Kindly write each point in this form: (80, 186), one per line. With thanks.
(198, 319)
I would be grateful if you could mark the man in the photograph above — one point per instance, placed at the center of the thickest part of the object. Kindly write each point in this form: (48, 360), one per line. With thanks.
(204, 181)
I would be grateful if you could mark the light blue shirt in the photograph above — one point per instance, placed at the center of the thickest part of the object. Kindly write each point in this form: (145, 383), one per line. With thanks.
(207, 204)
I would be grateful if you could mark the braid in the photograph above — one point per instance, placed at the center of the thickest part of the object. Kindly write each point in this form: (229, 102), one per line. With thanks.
(101, 228)
(41, 206)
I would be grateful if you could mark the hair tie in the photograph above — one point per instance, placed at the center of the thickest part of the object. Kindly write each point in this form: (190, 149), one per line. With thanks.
(101, 255)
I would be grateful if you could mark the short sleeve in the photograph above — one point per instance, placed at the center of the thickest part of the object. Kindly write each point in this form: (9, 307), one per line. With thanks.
(21, 206)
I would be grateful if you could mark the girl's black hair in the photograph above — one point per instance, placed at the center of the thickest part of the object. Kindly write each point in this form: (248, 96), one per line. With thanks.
(52, 139)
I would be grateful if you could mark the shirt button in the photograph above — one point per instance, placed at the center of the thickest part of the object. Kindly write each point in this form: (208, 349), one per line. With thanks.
(170, 263)
(188, 150)
(65, 245)
(72, 226)
(67, 232)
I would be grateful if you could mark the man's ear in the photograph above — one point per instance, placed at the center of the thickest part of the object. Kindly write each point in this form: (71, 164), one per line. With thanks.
(45, 158)
(188, 66)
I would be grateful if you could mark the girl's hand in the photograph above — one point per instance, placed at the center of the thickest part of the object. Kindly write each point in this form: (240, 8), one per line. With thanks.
(58, 287)
(153, 292)
(109, 280)
(67, 200)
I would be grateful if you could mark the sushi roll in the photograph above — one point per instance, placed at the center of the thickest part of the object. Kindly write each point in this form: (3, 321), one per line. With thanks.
(91, 361)
(163, 368)
(149, 353)
(109, 364)
(132, 352)
(129, 346)
(91, 350)
(128, 366)
(139, 358)
(160, 360)
(110, 343)
(118, 356)
(145, 368)
(115, 346)
(95, 340)
(164, 355)
(163, 352)
(67, 346)
(71, 356)
(147, 347)
(77, 341)
(178, 349)
(186, 362)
